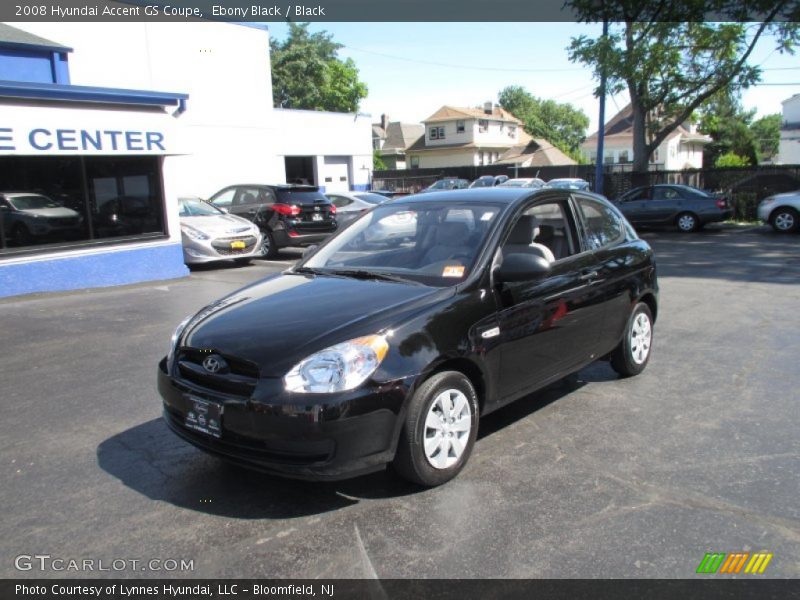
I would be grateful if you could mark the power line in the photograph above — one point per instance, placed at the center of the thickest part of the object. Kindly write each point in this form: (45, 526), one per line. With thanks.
(455, 66)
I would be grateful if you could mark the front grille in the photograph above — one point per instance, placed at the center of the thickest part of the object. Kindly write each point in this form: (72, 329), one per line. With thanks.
(240, 378)
(223, 245)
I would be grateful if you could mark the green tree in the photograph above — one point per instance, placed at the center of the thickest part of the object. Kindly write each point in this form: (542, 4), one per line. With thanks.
(729, 125)
(731, 159)
(561, 124)
(377, 161)
(307, 73)
(673, 56)
(767, 135)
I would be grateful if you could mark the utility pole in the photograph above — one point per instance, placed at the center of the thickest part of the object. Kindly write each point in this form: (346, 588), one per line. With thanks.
(601, 130)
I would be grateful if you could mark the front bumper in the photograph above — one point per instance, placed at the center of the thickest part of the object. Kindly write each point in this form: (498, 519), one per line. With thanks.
(304, 436)
(764, 211)
(204, 251)
(284, 238)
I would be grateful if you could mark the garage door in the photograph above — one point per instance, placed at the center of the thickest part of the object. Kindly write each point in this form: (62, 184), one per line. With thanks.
(335, 174)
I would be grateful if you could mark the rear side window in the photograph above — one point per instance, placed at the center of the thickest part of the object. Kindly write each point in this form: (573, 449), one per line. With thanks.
(601, 223)
(290, 196)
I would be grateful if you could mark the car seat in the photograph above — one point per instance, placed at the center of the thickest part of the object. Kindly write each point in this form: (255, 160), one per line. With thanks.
(520, 241)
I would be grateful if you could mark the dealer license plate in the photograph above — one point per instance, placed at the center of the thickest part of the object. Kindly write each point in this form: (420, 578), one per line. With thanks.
(237, 245)
(316, 217)
(205, 417)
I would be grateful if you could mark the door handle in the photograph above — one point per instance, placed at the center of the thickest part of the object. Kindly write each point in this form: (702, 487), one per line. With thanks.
(588, 275)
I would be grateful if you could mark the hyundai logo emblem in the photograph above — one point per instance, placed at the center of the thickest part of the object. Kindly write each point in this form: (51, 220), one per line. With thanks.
(214, 363)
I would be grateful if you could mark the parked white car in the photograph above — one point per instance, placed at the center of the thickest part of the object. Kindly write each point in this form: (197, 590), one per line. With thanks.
(782, 211)
(210, 234)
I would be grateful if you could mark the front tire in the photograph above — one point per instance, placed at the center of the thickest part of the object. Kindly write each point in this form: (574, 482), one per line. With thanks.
(785, 220)
(687, 222)
(440, 430)
(633, 353)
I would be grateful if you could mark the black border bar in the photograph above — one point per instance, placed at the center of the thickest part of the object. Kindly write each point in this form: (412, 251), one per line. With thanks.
(265, 11)
(707, 588)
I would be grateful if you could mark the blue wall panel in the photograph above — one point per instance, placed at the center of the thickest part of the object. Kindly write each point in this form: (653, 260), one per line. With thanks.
(26, 65)
(119, 267)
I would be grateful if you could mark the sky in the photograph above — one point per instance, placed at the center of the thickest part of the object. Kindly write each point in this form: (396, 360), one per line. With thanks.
(412, 69)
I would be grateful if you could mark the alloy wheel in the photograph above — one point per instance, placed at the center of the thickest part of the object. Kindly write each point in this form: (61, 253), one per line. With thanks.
(784, 221)
(641, 338)
(447, 429)
(686, 223)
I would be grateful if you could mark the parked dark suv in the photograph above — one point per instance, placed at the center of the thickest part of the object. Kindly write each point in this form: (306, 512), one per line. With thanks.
(288, 215)
(683, 206)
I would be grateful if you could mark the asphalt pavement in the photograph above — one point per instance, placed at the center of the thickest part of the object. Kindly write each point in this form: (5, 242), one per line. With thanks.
(599, 477)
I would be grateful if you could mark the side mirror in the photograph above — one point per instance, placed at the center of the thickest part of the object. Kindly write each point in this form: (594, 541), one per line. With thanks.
(521, 267)
(310, 250)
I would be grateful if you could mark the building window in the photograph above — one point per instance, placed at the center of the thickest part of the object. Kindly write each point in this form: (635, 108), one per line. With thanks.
(480, 157)
(609, 158)
(483, 125)
(460, 127)
(64, 201)
(654, 156)
(593, 157)
(437, 133)
(415, 162)
(623, 156)
(512, 131)
(502, 125)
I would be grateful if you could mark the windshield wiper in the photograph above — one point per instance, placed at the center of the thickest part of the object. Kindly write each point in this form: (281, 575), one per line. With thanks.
(363, 274)
(310, 270)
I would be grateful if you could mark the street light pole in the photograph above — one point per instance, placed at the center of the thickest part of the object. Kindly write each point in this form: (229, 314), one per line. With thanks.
(601, 130)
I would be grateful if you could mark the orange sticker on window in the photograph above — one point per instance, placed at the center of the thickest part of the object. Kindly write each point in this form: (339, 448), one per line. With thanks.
(453, 271)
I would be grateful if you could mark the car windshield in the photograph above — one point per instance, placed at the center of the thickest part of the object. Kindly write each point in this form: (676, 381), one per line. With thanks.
(515, 182)
(567, 184)
(191, 207)
(33, 202)
(433, 243)
(370, 197)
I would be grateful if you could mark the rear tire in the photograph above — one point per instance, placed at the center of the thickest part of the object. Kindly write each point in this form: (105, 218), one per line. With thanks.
(439, 431)
(268, 248)
(687, 222)
(785, 220)
(632, 354)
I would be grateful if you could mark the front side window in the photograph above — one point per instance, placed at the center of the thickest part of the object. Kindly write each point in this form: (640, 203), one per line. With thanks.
(543, 229)
(434, 243)
(602, 226)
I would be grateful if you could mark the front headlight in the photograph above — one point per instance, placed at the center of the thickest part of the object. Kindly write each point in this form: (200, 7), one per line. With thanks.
(339, 368)
(173, 341)
(193, 233)
(767, 201)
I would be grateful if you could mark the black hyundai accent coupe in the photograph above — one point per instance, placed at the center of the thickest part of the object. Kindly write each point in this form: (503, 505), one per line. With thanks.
(377, 350)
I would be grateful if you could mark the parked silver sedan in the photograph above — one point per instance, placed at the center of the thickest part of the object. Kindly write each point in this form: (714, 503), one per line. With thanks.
(351, 205)
(210, 234)
(782, 211)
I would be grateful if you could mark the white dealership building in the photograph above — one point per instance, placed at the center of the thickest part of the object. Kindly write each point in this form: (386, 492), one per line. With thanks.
(115, 121)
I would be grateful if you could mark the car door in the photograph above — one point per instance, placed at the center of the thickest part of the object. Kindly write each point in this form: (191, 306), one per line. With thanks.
(347, 210)
(667, 202)
(634, 205)
(604, 233)
(549, 325)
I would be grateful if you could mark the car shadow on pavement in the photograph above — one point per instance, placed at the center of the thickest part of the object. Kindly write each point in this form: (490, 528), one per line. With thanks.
(151, 460)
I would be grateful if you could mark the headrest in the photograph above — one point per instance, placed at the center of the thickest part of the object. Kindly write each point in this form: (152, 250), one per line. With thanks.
(452, 234)
(523, 231)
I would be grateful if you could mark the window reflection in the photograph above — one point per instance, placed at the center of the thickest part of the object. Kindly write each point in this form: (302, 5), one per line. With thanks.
(52, 201)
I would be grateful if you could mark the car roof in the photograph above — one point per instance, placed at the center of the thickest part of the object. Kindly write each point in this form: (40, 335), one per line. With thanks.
(505, 195)
(17, 194)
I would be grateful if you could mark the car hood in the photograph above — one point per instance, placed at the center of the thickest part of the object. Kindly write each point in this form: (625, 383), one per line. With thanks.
(219, 225)
(279, 321)
(50, 213)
